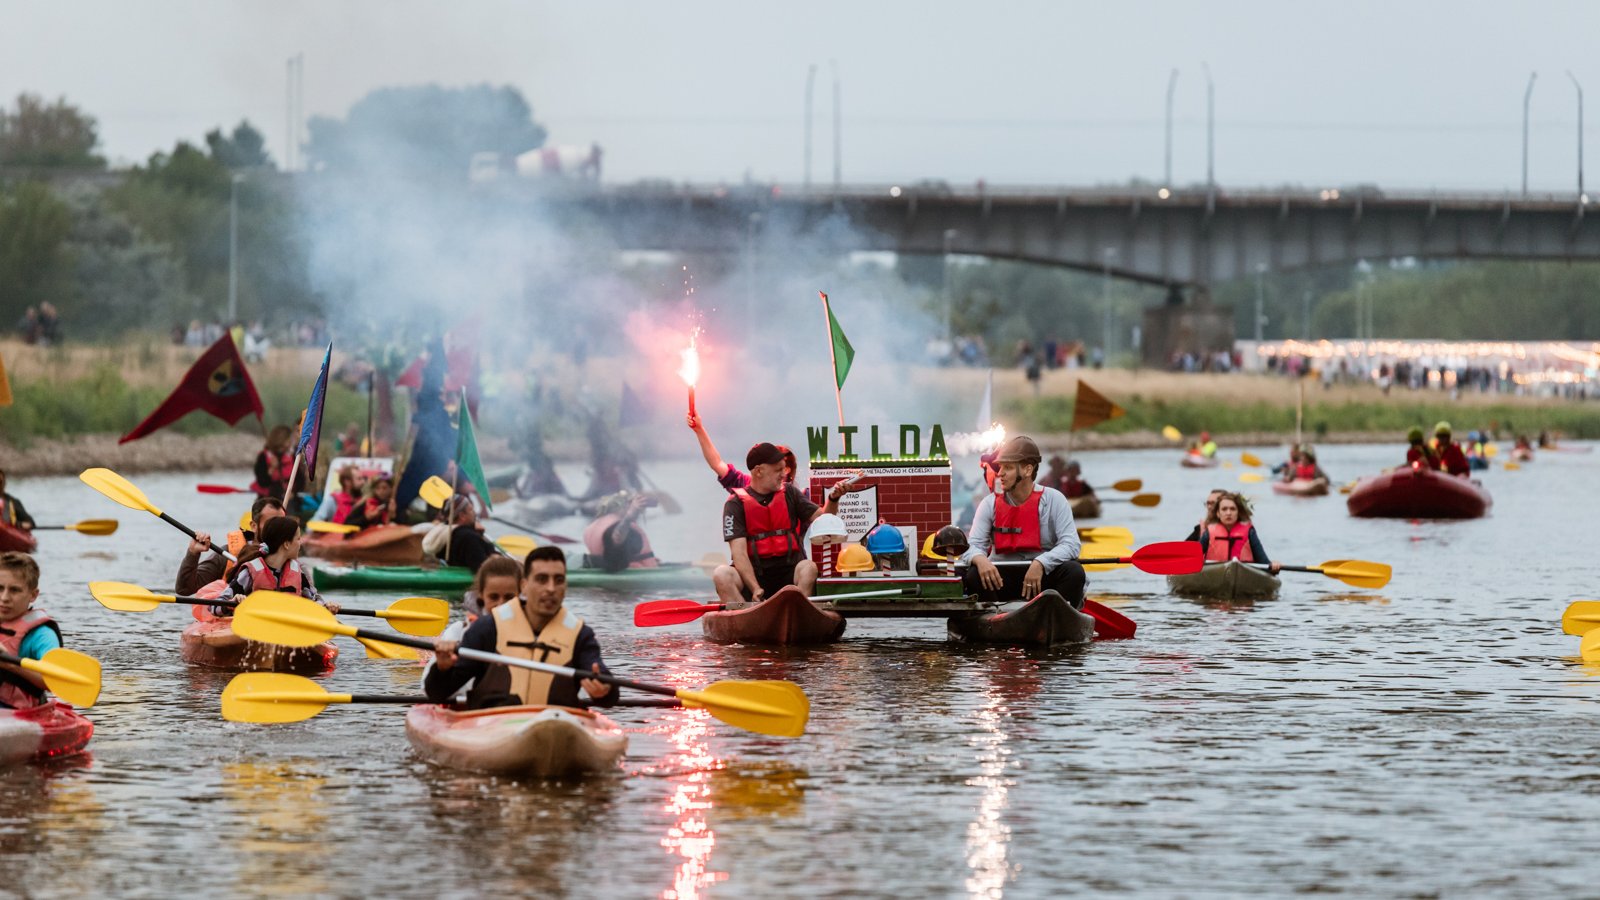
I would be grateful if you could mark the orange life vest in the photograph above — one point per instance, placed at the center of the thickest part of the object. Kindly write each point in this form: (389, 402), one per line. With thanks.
(1228, 543)
(594, 541)
(290, 580)
(16, 692)
(1016, 528)
(767, 527)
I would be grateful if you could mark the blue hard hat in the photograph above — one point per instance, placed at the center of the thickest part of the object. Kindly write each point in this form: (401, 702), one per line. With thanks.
(884, 538)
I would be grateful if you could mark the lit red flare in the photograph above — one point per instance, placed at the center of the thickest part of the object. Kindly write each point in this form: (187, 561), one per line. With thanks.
(689, 370)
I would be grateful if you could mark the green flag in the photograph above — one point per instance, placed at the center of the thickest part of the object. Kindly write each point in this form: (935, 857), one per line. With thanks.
(467, 462)
(843, 353)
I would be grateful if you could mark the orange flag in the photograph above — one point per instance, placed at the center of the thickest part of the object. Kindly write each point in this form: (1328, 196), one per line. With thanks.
(5, 386)
(1091, 408)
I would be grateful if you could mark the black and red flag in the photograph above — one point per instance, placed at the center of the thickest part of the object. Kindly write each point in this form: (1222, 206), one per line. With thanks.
(217, 383)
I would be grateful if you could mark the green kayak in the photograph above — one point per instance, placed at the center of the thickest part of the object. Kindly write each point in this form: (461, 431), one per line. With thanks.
(456, 580)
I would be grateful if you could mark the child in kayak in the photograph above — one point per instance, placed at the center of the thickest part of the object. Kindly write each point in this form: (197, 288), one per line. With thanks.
(12, 511)
(275, 566)
(498, 581)
(1230, 535)
(377, 508)
(25, 632)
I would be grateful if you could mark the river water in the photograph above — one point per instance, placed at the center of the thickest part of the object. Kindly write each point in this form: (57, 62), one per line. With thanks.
(1435, 737)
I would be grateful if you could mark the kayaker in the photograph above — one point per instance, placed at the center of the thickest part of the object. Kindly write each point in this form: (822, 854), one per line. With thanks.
(763, 525)
(1207, 447)
(615, 540)
(1418, 452)
(468, 547)
(1230, 535)
(273, 464)
(376, 507)
(12, 512)
(1307, 469)
(25, 632)
(337, 504)
(274, 565)
(498, 581)
(538, 628)
(201, 565)
(1451, 459)
(1055, 472)
(1211, 511)
(728, 475)
(1023, 522)
(1285, 470)
(1072, 484)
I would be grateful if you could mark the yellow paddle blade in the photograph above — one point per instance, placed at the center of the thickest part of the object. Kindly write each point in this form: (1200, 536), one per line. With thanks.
(97, 527)
(1511, 466)
(435, 491)
(1105, 550)
(1581, 617)
(1145, 499)
(70, 675)
(124, 597)
(1128, 484)
(1590, 648)
(244, 520)
(1252, 477)
(381, 650)
(778, 708)
(1250, 459)
(1358, 572)
(1114, 534)
(419, 616)
(331, 528)
(118, 489)
(518, 545)
(273, 698)
(1171, 434)
(1491, 450)
(277, 618)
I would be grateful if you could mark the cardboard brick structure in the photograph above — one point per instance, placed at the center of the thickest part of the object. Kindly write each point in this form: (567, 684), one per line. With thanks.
(904, 494)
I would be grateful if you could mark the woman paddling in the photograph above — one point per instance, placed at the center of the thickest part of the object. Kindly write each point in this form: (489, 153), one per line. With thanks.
(1229, 534)
(274, 567)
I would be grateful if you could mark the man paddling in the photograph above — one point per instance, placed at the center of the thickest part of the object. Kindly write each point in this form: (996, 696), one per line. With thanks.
(763, 525)
(201, 565)
(12, 512)
(1023, 522)
(540, 628)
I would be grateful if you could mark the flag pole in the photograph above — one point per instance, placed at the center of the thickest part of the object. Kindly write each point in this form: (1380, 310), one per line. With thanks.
(827, 323)
(372, 391)
(288, 487)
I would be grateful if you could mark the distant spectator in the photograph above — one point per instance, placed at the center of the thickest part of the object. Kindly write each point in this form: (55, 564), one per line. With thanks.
(49, 325)
(28, 326)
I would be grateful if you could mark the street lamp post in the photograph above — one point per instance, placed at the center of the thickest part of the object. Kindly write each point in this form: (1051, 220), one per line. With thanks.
(1581, 197)
(1527, 96)
(949, 296)
(1107, 257)
(233, 248)
(1172, 85)
(1261, 290)
(1211, 132)
(811, 81)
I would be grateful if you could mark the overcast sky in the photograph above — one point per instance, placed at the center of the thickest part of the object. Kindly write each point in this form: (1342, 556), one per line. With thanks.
(1412, 95)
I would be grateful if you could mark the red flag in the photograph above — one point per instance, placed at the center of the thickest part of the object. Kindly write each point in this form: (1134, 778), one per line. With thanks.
(217, 383)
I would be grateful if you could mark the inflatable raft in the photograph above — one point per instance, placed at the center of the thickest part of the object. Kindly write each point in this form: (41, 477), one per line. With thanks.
(1418, 493)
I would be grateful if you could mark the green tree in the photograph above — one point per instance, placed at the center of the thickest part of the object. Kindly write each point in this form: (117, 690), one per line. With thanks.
(424, 131)
(246, 148)
(38, 133)
(34, 264)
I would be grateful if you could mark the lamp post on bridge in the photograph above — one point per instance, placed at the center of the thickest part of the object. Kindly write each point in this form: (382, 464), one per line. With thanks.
(949, 296)
(1211, 120)
(233, 248)
(1526, 97)
(1261, 290)
(811, 82)
(1108, 256)
(1172, 84)
(1582, 199)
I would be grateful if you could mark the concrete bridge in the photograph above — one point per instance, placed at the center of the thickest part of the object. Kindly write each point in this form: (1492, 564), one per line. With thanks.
(1187, 238)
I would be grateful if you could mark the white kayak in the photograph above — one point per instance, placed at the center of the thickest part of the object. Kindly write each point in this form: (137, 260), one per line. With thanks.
(535, 741)
(1232, 580)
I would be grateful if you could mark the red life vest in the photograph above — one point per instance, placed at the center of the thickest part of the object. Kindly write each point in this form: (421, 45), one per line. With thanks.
(767, 527)
(376, 513)
(290, 580)
(1228, 543)
(342, 504)
(278, 467)
(594, 541)
(15, 692)
(208, 592)
(1016, 528)
(1305, 472)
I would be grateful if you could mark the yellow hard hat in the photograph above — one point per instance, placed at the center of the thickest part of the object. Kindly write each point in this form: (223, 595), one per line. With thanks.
(854, 558)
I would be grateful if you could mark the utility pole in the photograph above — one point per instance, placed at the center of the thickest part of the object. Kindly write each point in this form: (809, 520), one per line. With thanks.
(1211, 132)
(1109, 254)
(1527, 96)
(1305, 315)
(838, 170)
(1261, 290)
(811, 81)
(1172, 85)
(233, 248)
(1581, 198)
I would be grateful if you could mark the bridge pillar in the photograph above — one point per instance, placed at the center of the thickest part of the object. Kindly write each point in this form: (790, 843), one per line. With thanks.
(1177, 327)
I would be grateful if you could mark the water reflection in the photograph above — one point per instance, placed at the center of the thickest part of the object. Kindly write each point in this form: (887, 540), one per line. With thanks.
(988, 836)
(769, 788)
(690, 836)
(283, 848)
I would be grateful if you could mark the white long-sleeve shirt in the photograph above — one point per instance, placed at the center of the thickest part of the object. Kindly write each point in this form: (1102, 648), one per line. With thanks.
(1058, 534)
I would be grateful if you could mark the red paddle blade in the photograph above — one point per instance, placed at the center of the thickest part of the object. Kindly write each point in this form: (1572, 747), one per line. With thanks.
(220, 489)
(1169, 558)
(1109, 625)
(655, 613)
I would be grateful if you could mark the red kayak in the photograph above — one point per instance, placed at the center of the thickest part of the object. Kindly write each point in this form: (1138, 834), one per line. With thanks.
(1418, 493)
(42, 732)
(787, 617)
(16, 539)
(380, 545)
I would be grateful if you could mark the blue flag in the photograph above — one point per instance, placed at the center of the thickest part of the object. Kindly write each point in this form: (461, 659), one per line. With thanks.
(311, 431)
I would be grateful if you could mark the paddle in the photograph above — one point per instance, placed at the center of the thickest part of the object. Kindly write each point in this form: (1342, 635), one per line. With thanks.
(1115, 534)
(1252, 477)
(269, 698)
(221, 489)
(1171, 433)
(1109, 625)
(1581, 617)
(1136, 499)
(423, 616)
(1590, 647)
(1128, 484)
(97, 527)
(655, 613)
(331, 527)
(70, 675)
(1510, 466)
(1250, 459)
(1104, 550)
(1354, 572)
(778, 708)
(435, 491)
(544, 536)
(516, 545)
(121, 490)
(1165, 558)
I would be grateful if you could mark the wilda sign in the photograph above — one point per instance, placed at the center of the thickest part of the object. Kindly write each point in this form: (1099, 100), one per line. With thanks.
(910, 445)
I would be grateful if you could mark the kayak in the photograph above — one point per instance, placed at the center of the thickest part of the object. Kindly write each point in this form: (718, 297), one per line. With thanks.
(455, 579)
(1047, 620)
(1316, 487)
(42, 732)
(1417, 493)
(1085, 507)
(1522, 454)
(1198, 461)
(212, 643)
(535, 741)
(786, 618)
(1231, 580)
(15, 539)
(381, 545)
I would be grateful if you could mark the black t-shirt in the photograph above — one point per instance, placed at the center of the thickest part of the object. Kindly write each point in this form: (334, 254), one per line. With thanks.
(468, 548)
(800, 511)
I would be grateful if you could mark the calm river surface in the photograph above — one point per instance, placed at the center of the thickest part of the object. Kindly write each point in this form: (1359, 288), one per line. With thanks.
(1436, 737)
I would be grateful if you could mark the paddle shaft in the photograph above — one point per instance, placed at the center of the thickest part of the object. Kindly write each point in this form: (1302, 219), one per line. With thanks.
(372, 613)
(190, 532)
(485, 656)
(552, 538)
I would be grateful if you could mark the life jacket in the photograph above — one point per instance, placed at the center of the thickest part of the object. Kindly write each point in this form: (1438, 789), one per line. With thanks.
(1305, 472)
(291, 580)
(1016, 528)
(8, 510)
(1074, 487)
(514, 636)
(208, 592)
(594, 542)
(278, 466)
(767, 527)
(16, 691)
(376, 513)
(1228, 543)
(343, 503)
(238, 542)
(1208, 449)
